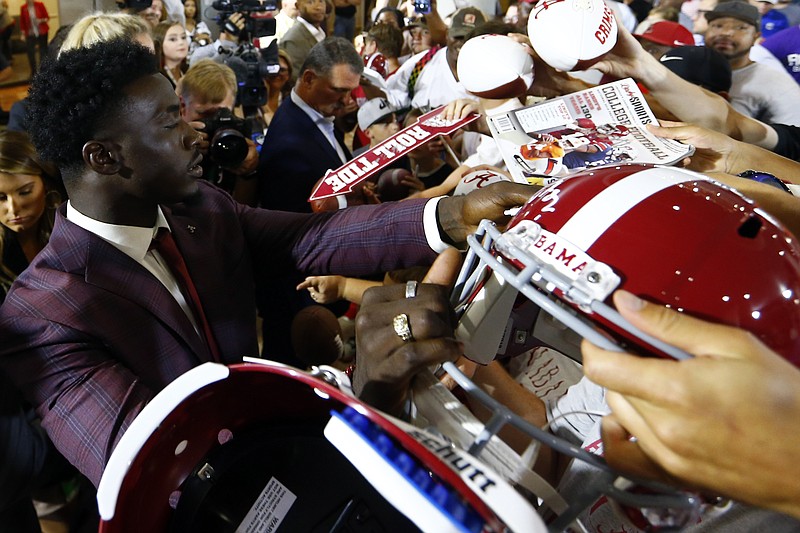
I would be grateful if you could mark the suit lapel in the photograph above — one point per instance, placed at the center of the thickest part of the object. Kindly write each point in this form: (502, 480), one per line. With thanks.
(319, 138)
(110, 269)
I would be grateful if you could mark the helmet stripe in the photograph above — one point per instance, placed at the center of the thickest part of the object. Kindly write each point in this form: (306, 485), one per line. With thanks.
(599, 213)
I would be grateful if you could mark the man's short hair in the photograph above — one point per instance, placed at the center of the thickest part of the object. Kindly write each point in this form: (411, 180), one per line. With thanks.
(70, 97)
(492, 27)
(100, 27)
(207, 80)
(388, 39)
(331, 52)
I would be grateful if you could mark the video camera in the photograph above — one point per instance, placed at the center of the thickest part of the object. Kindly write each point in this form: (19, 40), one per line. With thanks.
(134, 5)
(257, 55)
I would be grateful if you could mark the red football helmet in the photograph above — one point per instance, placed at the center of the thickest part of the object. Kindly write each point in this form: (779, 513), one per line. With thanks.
(262, 446)
(668, 235)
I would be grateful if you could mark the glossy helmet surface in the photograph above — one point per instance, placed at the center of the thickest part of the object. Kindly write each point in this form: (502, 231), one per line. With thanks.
(268, 447)
(668, 235)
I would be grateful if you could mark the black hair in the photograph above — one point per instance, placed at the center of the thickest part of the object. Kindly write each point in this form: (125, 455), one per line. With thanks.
(497, 27)
(401, 22)
(72, 95)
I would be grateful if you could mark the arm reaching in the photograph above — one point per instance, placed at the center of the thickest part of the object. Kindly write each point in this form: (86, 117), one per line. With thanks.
(688, 102)
(717, 152)
(726, 421)
(329, 289)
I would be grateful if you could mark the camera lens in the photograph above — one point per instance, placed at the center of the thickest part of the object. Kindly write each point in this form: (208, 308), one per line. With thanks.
(228, 147)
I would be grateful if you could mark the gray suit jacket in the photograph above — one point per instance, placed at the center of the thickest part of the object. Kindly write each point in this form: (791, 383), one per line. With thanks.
(297, 42)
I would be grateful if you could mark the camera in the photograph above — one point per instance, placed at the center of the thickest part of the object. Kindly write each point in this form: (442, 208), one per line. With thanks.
(134, 5)
(228, 136)
(257, 56)
(251, 9)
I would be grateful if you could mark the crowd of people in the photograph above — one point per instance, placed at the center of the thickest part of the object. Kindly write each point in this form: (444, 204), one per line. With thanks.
(155, 215)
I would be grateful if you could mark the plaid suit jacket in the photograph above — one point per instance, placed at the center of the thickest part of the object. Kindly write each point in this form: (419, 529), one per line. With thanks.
(89, 335)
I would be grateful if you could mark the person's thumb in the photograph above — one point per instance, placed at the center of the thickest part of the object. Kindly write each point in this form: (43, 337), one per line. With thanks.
(690, 334)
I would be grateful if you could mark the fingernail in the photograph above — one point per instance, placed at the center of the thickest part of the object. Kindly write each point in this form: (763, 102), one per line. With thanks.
(624, 299)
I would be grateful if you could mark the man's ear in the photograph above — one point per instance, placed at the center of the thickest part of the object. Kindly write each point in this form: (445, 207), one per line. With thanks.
(101, 157)
(308, 76)
(183, 106)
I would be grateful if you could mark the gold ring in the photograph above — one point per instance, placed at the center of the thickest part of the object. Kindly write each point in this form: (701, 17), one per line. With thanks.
(402, 327)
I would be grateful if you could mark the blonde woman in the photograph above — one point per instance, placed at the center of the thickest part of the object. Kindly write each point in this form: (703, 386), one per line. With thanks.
(101, 27)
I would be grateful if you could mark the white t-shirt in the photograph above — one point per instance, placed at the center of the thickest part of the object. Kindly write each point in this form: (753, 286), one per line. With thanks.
(766, 94)
(435, 85)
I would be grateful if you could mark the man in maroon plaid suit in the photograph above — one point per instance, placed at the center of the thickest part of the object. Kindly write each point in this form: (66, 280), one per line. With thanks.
(98, 324)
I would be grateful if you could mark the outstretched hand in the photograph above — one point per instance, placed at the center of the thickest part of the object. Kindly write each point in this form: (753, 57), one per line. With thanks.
(459, 216)
(386, 363)
(725, 421)
(628, 59)
(323, 289)
(714, 151)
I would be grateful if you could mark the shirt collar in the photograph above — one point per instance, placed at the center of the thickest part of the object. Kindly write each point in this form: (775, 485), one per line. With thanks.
(312, 113)
(316, 32)
(132, 240)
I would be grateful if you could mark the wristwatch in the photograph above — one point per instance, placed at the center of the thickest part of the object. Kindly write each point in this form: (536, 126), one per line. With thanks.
(764, 177)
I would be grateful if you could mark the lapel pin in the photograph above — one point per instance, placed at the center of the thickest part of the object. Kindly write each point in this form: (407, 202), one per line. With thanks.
(191, 228)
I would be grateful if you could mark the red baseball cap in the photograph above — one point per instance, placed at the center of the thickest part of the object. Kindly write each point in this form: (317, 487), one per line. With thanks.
(668, 33)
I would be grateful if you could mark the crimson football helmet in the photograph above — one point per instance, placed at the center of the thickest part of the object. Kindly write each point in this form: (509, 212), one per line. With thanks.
(668, 235)
(262, 446)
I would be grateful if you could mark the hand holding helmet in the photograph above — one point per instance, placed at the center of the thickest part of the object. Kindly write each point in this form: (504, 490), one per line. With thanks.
(725, 421)
(387, 361)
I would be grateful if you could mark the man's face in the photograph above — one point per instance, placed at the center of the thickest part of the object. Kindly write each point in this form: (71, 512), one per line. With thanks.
(420, 39)
(152, 15)
(731, 37)
(763, 7)
(329, 94)
(157, 150)
(197, 107)
(312, 10)
(700, 24)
